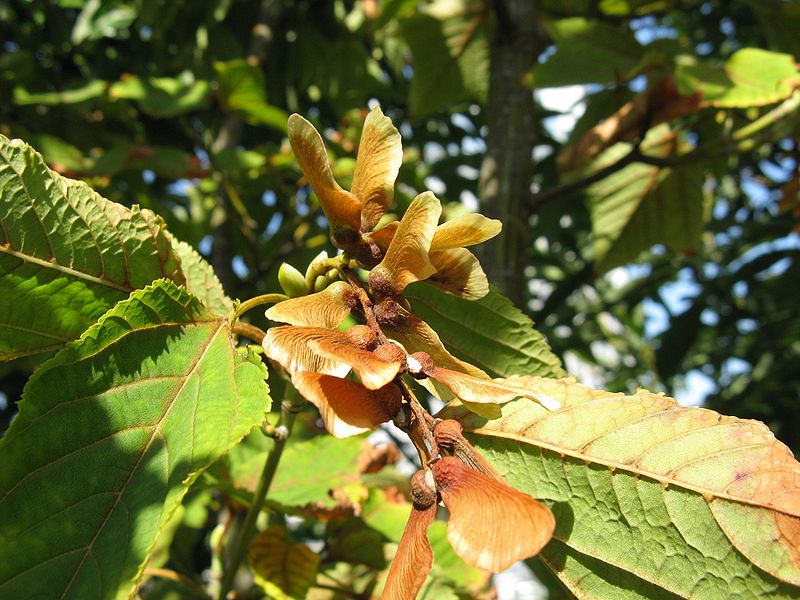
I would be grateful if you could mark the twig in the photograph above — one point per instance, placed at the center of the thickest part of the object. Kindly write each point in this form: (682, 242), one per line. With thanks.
(289, 410)
(258, 301)
(190, 585)
(249, 331)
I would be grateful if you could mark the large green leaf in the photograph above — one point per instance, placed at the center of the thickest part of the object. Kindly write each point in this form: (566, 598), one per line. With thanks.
(643, 205)
(66, 254)
(110, 432)
(451, 55)
(588, 52)
(491, 333)
(649, 497)
(750, 77)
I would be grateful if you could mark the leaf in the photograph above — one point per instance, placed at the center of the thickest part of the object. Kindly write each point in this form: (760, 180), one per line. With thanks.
(588, 52)
(86, 91)
(307, 472)
(449, 565)
(283, 569)
(163, 97)
(686, 501)
(103, 19)
(643, 205)
(451, 55)
(490, 333)
(110, 433)
(66, 254)
(243, 90)
(750, 77)
(201, 281)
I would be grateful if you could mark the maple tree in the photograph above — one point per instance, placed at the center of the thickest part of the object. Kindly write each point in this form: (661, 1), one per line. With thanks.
(416, 433)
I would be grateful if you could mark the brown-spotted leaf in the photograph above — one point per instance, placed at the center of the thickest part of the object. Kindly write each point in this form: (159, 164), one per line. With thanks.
(689, 500)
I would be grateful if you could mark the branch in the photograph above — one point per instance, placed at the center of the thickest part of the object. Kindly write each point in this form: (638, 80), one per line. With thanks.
(289, 410)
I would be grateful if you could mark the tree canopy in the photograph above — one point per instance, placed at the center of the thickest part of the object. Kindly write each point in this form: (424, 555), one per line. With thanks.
(641, 155)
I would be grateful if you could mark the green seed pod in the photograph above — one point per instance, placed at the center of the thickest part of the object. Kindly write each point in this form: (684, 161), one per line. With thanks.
(292, 281)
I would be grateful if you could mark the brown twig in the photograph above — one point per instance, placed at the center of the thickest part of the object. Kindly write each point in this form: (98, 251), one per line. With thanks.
(249, 331)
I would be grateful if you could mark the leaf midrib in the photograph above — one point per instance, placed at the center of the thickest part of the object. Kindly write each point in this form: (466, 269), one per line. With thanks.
(63, 269)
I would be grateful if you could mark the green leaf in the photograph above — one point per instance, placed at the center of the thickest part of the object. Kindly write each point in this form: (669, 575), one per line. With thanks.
(308, 470)
(643, 205)
(491, 333)
(110, 433)
(103, 19)
(201, 281)
(67, 254)
(87, 91)
(451, 55)
(449, 565)
(243, 90)
(588, 52)
(283, 569)
(750, 77)
(684, 501)
(163, 97)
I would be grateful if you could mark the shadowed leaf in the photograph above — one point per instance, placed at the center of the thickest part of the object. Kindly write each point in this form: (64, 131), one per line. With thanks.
(114, 428)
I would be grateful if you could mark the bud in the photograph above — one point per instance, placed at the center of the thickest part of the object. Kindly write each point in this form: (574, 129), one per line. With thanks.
(292, 281)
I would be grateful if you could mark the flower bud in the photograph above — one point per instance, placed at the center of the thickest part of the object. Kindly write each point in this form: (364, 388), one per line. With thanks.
(292, 281)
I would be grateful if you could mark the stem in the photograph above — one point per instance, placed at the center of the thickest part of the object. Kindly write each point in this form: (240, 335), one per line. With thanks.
(258, 301)
(289, 410)
(249, 331)
(419, 429)
(191, 586)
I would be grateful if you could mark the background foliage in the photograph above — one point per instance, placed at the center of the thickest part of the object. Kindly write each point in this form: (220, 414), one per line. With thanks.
(661, 255)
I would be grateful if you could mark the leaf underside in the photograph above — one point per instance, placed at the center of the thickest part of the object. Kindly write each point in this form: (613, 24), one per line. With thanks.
(683, 501)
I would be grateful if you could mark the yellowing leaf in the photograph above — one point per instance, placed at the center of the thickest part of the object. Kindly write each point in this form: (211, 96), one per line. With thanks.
(679, 496)
(283, 569)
